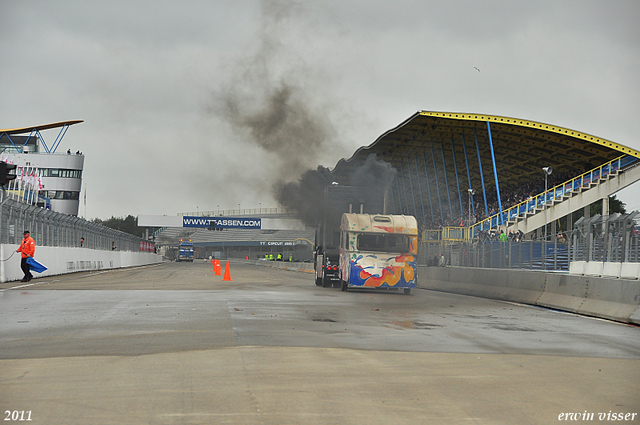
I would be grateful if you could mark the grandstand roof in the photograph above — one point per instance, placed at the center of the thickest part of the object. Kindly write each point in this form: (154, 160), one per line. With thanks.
(521, 147)
(23, 130)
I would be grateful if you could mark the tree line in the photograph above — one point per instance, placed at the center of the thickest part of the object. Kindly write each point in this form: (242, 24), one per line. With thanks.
(128, 224)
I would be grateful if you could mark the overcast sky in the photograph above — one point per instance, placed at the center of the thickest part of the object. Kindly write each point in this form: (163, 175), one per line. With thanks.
(190, 105)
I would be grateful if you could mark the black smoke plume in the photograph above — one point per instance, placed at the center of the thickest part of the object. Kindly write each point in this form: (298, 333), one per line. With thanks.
(305, 196)
(374, 174)
(268, 101)
(367, 185)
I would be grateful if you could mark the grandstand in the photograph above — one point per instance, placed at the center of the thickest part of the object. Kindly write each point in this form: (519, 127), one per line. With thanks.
(470, 176)
(481, 173)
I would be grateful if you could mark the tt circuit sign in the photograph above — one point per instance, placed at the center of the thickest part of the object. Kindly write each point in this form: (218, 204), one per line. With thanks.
(247, 223)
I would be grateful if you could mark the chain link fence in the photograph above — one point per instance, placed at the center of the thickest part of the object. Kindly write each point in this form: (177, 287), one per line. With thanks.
(49, 228)
(614, 239)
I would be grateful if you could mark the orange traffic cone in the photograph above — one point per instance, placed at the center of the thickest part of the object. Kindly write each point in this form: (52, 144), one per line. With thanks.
(217, 268)
(227, 273)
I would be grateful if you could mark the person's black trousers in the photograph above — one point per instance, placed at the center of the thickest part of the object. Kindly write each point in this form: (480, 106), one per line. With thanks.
(26, 269)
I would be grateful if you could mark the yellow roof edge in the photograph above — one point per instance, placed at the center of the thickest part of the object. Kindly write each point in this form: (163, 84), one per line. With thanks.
(535, 125)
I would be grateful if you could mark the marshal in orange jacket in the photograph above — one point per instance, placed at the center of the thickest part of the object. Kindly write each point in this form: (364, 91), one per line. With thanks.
(27, 247)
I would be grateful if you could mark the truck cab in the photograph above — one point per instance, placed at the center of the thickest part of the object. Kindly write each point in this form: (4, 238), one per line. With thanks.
(378, 251)
(327, 265)
(185, 251)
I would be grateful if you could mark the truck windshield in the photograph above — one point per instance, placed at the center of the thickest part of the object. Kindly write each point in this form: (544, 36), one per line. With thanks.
(383, 242)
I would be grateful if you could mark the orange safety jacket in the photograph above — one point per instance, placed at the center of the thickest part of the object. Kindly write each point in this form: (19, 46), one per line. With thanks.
(27, 247)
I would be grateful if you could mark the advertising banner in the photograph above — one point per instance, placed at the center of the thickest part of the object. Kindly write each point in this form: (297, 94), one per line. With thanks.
(222, 222)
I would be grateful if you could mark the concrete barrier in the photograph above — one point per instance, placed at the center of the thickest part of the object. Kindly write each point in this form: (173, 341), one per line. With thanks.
(577, 267)
(593, 268)
(605, 269)
(500, 284)
(611, 269)
(61, 260)
(615, 299)
(630, 271)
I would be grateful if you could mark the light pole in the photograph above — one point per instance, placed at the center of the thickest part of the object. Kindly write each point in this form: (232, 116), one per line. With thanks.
(471, 193)
(547, 172)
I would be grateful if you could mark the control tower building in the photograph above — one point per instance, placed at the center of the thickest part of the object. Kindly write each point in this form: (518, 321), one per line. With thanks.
(45, 177)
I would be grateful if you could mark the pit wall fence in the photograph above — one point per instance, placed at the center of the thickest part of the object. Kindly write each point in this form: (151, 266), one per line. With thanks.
(65, 243)
(63, 260)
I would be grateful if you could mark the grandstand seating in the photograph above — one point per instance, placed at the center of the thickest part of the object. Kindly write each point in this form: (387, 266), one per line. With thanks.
(557, 201)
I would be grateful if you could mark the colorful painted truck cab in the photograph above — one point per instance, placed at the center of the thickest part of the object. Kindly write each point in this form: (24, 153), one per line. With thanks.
(378, 251)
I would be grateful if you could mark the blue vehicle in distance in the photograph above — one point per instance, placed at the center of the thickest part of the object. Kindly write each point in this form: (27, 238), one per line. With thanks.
(185, 251)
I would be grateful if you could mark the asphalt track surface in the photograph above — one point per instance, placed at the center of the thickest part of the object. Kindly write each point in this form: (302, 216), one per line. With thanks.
(175, 344)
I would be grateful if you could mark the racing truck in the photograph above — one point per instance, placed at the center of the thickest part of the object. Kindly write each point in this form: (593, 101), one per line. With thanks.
(326, 250)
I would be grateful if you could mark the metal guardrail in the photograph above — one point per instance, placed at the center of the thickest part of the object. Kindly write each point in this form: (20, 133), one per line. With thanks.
(50, 228)
(526, 255)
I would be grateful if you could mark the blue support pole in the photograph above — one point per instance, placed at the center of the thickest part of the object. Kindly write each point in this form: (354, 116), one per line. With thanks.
(455, 169)
(404, 186)
(28, 138)
(484, 192)
(61, 134)
(424, 218)
(495, 174)
(446, 180)
(466, 161)
(413, 195)
(433, 157)
(11, 140)
(44, 144)
(426, 173)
